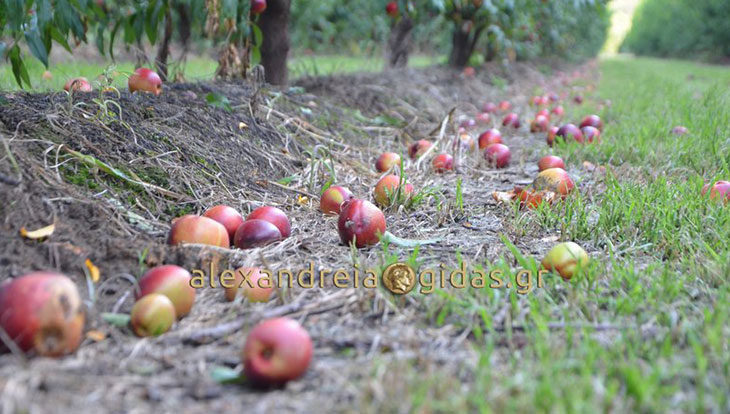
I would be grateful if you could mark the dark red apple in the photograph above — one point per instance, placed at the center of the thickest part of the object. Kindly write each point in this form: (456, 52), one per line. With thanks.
(550, 161)
(361, 222)
(392, 9)
(227, 216)
(497, 155)
(443, 163)
(418, 148)
(171, 281)
(387, 161)
(591, 133)
(250, 282)
(80, 84)
(592, 120)
(489, 107)
(333, 198)
(492, 136)
(258, 6)
(197, 229)
(145, 80)
(274, 216)
(256, 233)
(511, 119)
(570, 131)
(152, 315)
(276, 351)
(42, 312)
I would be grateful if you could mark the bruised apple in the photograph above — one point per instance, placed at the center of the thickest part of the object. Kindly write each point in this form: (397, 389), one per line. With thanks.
(497, 155)
(256, 233)
(200, 230)
(274, 216)
(171, 281)
(152, 315)
(570, 131)
(276, 351)
(565, 258)
(79, 84)
(250, 282)
(591, 133)
(42, 312)
(387, 161)
(719, 191)
(556, 180)
(550, 161)
(443, 163)
(386, 189)
(418, 148)
(145, 80)
(361, 222)
(492, 136)
(332, 198)
(593, 121)
(227, 216)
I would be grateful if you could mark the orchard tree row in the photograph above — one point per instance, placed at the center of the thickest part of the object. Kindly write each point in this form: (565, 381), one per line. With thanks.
(255, 32)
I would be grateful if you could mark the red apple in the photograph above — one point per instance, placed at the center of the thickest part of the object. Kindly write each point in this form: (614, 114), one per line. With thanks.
(418, 148)
(443, 163)
(258, 6)
(592, 120)
(550, 161)
(362, 222)
(566, 258)
(552, 132)
(570, 131)
(465, 142)
(145, 80)
(578, 99)
(42, 312)
(492, 136)
(591, 133)
(80, 84)
(505, 106)
(333, 198)
(152, 315)
(511, 119)
(497, 155)
(171, 281)
(387, 161)
(392, 9)
(483, 118)
(719, 191)
(539, 124)
(679, 130)
(227, 216)
(543, 112)
(256, 233)
(274, 216)
(558, 111)
(556, 180)
(489, 107)
(386, 189)
(253, 284)
(276, 351)
(197, 229)
(469, 72)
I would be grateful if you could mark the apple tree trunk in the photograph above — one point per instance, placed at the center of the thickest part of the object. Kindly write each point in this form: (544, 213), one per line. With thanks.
(163, 52)
(274, 24)
(399, 43)
(462, 46)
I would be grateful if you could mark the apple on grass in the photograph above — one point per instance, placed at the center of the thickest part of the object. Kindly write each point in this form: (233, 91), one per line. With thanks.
(418, 148)
(443, 163)
(152, 315)
(497, 155)
(333, 198)
(570, 131)
(196, 229)
(274, 216)
(593, 121)
(145, 80)
(492, 136)
(511, 119)
(550, 161)
(227, 216)
(42, 312)
(558, 111)
(386, 190)
(718, 191)
(540, 124)
(276, 351)
(361, 222)
(552, 133)
(565, 259)
(172, 281)
(556, 180)
(387, 161)
(591, 134)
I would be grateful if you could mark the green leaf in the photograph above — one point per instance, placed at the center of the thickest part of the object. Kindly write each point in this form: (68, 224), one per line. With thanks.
(44, 12)
(71, 18)
(36, 46)
(19, 70)
(258, 36)
(59, 38)
(117, 319)
(255, 55)
(225, 375)
(219, 101)
(100, 39)
(16, 13)
(112, 37)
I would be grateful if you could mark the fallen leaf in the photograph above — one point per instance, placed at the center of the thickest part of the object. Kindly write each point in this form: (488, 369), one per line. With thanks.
(242, 126)
(38, 234)
(93, 270)
(96, 336)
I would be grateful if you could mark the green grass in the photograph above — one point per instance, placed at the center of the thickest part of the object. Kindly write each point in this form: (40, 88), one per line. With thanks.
(660, 284)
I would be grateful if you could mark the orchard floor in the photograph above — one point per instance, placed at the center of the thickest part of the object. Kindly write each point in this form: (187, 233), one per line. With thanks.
(644, 328)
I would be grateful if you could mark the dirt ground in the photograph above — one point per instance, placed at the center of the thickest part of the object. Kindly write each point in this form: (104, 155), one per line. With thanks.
(262, 147)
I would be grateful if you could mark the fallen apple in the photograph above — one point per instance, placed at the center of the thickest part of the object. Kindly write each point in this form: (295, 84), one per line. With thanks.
(497, 155)
(566, 258)
(258, 6)
(386, 190)
(543, 112)
(79, 84)
(558, 111)
(578, 99)
(387, 161)
(680, 130)
(256, 233)
(199, 230)
(418, 148)
(570, 131)
(443, 163)
(553, 97)
(468, 123)
(492, 136)
(505, 106)
(719, 191)
(469, 72)
(552, 132)
(250, 282)
(591, 133)
(145, 80)
(463, 142)
(333, 198)
(227, 216)
(274, 216)
(361, 222)
(592, 120)
(511, 119)
(539, 124)
(489, 107)
(483, 118)
(276, 351)
(171, 281)
(556, 180)
(550, 161)
(152, 315)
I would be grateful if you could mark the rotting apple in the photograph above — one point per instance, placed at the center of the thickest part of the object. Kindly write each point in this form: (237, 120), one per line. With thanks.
(556, 180)
(492, 136)
(227, 216)
(145, 80)
(275, 216)
(570, 131)
(333, 198)
(252, 283)
(539, 124)
(276, 351)
(418, 148)
(443, 163)
(361, 222)
(592, 120)
(200, 230)
(152, 315)
(497, 155)
(42, 312)
(591, 133)
(566, 258)
(79, 84)
(256, 233)
(386, 189)
(489, 107)
(719, 191)
(552, 132)
(550, 161)
(258, 6)
(386, 161)
(172, 281)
